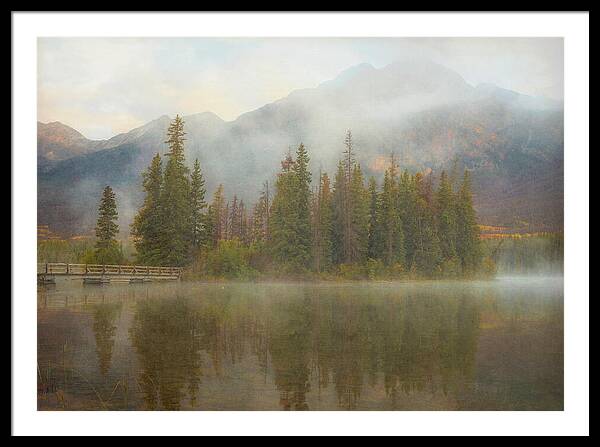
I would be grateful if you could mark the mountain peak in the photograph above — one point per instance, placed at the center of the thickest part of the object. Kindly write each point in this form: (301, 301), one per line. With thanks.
(57, 141)
(349, 74)
(208, 116)
(57, 126)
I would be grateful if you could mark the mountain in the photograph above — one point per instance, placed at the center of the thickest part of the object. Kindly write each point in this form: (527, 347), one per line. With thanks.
(57, 141)
(426, 113)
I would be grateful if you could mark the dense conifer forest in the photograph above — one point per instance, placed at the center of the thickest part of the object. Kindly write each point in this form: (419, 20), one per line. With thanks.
(343, 225)
(301, 225)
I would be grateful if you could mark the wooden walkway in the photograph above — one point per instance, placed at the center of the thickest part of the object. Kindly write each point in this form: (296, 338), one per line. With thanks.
(104, 273)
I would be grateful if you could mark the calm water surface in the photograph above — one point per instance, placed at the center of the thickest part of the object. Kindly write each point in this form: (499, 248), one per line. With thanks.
(494, 345)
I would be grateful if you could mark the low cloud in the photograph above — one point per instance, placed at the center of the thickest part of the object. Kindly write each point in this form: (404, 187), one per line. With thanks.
(104, 86)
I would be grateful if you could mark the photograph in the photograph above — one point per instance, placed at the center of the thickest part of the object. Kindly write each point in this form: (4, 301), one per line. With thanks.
(324, 223)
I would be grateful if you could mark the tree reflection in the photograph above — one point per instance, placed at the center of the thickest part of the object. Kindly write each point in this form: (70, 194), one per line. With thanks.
(301, 341)
(104, 327)
(165, 334)
(289, 345)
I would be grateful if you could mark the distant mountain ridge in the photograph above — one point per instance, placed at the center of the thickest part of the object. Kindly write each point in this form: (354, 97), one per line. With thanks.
(424, 112)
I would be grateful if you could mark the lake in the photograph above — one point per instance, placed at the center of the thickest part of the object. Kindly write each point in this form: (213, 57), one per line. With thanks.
(432, 345)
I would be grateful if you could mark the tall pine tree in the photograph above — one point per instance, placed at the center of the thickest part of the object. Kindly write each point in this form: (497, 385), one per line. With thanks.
(175, 199)
(290, 214)
(360, 217)
(467, 242)
(338, 206)
(350, 209)
(302, 202)
(446, 217)
(260, 224)
(216, 210)
(427, 256)
(322, 247)
(390, 224)
(373, 194)
(197, 206)
(107, 249)
(407, 196)
(147, 225)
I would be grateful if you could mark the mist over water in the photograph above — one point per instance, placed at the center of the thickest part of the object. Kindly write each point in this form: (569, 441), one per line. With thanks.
(431, 345)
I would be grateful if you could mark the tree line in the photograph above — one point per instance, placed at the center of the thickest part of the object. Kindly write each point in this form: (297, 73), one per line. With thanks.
(348, 224)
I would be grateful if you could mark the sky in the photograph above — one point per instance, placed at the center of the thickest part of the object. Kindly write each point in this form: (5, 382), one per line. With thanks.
(105, 86)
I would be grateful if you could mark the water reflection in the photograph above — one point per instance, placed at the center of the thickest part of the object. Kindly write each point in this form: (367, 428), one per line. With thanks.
(104, 327)
(306, 347)
(166, 337)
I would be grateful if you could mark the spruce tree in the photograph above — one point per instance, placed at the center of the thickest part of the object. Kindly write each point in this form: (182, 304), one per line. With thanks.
(350, 209)
(175, 199)
(234, 219)
(348, 229)
(283, 217)
(427, 256)
(261, 212)
(446, 217)
(391, 245)
(147, 224)
(360, 217)
(322, 245)
(467, 242)
(373, 194)
(216, 210)
(407, 206)
(197, 206)
(290, 215)
(338, 206)
(243, 218)
(107, 249)
(302, 202)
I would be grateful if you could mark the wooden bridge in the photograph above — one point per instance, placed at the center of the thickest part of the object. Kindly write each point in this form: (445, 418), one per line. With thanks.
(105, 273)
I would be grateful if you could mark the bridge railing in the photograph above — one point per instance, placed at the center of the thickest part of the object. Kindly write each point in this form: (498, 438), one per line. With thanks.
(57, 268)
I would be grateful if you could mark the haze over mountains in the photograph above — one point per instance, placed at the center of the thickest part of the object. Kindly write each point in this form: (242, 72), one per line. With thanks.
(423, 112)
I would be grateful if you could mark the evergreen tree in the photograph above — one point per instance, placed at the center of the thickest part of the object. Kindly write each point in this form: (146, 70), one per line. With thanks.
(349, 231)
(302, 202)
(322, 246)
(261, 216)
(197, 206)
(147, 224)
(107, 249)
(226, 222)
(360, 217)
(467, 241)
(350, 209)
(216, 210)
(290, 214)
(175, 200)
(408, 197)
(446, 217)
(390, 224)
(243, 217)
(234, 219)
(338, 228)
(372, 251)
(283, 215)
(427, 255)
